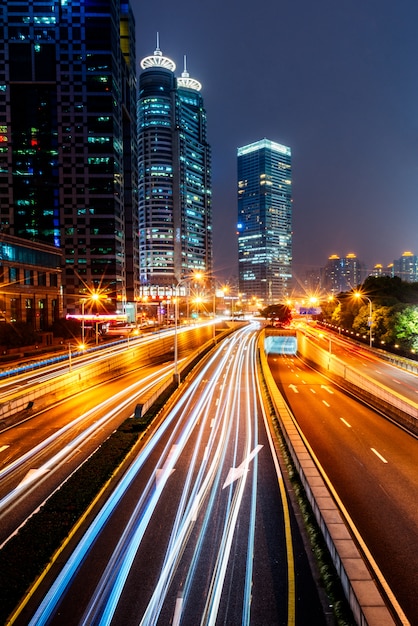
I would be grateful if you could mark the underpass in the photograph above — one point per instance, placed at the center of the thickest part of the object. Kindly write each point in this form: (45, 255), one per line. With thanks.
(280, 341)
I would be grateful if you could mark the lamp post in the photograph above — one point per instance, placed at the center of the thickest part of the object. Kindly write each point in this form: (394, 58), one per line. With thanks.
(214, 314)
(95, 297)
(359, 295)
(196, 276)
(82, 321)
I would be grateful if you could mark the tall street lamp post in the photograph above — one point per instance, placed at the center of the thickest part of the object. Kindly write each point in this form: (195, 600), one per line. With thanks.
(82, 322)
(196, 276)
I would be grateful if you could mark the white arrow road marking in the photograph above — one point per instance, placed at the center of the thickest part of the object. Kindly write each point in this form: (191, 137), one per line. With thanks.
(160, 472)
(236, 472)
(294, 388)
(32, 475)
(379, 456)
(327, 388)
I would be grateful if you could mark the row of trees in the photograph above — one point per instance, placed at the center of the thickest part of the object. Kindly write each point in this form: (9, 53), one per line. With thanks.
(394, 312)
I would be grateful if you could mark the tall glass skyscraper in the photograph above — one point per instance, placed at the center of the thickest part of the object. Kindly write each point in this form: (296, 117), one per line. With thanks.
(68, 152)
(264, 221)
(174, 189)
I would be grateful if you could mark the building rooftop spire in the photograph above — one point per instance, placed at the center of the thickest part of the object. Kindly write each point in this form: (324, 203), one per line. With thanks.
(158, 60)
(186, 81)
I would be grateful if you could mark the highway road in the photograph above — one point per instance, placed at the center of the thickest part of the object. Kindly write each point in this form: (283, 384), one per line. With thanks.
(372, 465)
(199, 529)
(40, 452)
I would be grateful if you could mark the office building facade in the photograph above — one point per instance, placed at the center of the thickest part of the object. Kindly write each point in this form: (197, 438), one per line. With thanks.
(68, 153)
(174, 178)
(264, 221)
(30, 278)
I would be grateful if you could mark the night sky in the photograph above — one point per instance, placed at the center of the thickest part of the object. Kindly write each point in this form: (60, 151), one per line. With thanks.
(337, 81)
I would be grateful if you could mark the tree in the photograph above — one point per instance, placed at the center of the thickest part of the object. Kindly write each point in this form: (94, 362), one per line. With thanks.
(406, 327)
(278, 313)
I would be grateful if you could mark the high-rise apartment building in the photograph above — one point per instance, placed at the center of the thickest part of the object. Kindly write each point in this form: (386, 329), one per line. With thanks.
(343, 273)
(174, 188)
(406, 267)
(68, 152)
(264, 221)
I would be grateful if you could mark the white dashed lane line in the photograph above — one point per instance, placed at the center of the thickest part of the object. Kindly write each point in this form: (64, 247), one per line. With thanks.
(379, 456)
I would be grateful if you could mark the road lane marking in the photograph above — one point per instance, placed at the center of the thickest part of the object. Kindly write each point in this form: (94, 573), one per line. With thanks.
(291, 584)
(313, 390)
(2, 448)
(326, 403)
(212, 423)
(345, 422)
(206, 453)
(327, 388)
(236, 472)
(32, 475)
(382, 458)
(177, 611)
(161, 471)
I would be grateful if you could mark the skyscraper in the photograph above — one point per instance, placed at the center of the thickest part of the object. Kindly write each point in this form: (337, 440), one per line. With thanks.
(174, 171)
(68, 156)
(264, 221)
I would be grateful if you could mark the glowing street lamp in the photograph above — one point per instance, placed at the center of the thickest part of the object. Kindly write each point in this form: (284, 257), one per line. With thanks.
(361, 296)
(94, 296)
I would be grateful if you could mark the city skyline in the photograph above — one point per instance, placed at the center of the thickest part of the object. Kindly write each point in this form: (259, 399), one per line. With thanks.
(334, 83)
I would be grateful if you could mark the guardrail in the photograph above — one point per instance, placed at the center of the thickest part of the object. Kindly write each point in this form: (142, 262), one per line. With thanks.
(397, 407)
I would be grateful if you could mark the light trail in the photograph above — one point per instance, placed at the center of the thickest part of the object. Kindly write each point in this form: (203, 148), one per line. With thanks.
(127, 396)
(58, 589)
(221, 411)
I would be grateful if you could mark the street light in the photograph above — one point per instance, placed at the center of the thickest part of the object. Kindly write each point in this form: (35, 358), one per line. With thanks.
(83, 301)
(196, 276)
(94, 296)
(362, 296)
